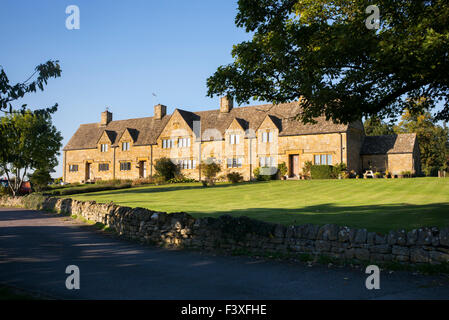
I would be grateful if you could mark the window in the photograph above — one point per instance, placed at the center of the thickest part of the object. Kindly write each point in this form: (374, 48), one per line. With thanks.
(125, 146)
(168, 143)
(267, 136)
(103, 167)
(125, 166)
(234, 139)
(266, 162)
(183, 142)
(104, 148)
(73, 168)
(235, 163)
(187, 164)
(322, 159)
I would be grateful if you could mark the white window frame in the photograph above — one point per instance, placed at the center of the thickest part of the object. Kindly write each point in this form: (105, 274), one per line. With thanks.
(125, 146)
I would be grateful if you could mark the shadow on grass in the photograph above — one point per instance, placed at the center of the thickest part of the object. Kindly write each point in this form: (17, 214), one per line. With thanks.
(380, 218)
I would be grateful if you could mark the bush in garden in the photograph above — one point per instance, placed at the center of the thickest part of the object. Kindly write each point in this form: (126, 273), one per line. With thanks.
(234, 177)
(322, 172)
(210, 171)
(165, 168)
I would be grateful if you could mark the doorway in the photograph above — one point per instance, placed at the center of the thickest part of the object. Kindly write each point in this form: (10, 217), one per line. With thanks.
(142, 169)
(294, 165)
(88, 171)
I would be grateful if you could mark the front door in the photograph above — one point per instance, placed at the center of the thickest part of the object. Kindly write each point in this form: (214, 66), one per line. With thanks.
(294, 165)
(88, 175)
(142, 169)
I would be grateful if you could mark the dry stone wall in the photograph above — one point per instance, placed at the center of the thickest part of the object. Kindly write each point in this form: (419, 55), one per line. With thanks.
(419, 246)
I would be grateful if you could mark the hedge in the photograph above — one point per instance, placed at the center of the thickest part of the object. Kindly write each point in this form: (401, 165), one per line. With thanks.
(322, 172)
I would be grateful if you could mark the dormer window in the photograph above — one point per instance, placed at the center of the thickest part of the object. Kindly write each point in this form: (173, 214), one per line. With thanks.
(104, 148)
(125, 146)
(267, 136)
(234, 139)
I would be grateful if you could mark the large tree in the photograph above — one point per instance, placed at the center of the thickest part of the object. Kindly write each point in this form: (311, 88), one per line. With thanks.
(10, 93)
(28, 141)
(322, 51)
(374, 126)
(433, 139)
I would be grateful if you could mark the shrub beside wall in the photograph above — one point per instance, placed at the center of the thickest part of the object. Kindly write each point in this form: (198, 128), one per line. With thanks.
(321, 172)
(419, 246)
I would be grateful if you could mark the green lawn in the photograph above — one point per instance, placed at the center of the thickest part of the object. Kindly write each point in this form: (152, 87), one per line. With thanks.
(375, 204)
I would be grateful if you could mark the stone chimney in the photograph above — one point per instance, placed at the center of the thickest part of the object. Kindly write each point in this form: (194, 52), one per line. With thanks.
(159, 111)
(106, 117)
(226, 104)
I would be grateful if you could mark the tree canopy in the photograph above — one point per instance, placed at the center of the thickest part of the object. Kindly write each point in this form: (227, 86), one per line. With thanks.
(374, 126)
(433, 140)
(10, 93)
(321, 53)
(28, 141)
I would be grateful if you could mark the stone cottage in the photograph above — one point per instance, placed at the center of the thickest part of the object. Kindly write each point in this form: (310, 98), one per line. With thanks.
(239, 139)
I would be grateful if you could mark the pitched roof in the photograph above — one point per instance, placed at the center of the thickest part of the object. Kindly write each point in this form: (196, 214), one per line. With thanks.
(388, 144)
(254, 116)
(146, 130)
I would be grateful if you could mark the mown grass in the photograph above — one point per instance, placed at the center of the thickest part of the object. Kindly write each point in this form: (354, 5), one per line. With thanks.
(376, 204)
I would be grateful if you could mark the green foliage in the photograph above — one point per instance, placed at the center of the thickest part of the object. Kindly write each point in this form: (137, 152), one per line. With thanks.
(406, 174)
(33, 201)
(340, 169)
(322, 172)
(10, 93)
(374, 126)
(321, 51)
(282, 169)
(113, 182)
(431, 171)
(181, 179)
(210, 170)
(4, 191)
(306, 169)
(234, 177)
(260, 174)
(27, 141)
(433, 140)
(165, 168)
(86, 189)
(40, 179)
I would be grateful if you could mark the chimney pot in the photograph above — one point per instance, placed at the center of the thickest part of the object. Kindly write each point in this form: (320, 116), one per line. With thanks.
(226, 104)
(160, 111)
(106, 117)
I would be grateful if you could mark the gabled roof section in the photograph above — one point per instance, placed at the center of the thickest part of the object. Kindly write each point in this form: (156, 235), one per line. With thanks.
(242, 124)
(148, 129)
(389, 144)
(108, 133)
(274, 120)
(133, 133)
(188, 117)
(87, 135)
(284, 114)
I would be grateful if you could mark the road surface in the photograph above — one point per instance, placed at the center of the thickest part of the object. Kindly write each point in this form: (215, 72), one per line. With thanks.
(36, 248)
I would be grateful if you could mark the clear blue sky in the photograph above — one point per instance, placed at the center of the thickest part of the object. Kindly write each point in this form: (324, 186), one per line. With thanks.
(123, 52)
